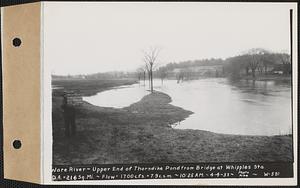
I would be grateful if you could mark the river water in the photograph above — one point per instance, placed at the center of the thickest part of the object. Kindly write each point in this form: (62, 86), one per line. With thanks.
(219, 105)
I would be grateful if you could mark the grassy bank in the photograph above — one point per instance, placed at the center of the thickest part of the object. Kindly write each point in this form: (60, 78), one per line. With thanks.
(141, 133)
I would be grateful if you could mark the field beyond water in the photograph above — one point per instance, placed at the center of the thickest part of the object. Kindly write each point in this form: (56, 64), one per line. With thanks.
(142, 133)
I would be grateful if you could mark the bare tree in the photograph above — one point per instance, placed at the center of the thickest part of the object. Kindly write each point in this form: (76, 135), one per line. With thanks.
(138, 75)
(260, 67)
(255, 57)
(144, 76)
(180, 76)
(253, 63)
(142, 73)
(247, 67)
(267, 60)
(162, 73)
(150, 59)
(285, 59)
(147, 68)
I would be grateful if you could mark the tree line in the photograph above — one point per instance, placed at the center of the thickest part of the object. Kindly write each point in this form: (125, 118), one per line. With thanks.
(258, 62)
(252, 63)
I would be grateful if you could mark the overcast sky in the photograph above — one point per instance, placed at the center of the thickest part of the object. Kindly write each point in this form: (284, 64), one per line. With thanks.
(83, 38)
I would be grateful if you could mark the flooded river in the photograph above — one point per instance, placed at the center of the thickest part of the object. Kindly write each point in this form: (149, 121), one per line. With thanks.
(219, 105)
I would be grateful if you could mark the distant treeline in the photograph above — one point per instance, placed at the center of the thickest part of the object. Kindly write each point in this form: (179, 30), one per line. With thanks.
(258, 62)
(103, 76)
(252, 63)
(194, 63)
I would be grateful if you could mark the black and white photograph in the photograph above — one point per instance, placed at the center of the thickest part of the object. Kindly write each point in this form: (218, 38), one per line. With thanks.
(170, 83)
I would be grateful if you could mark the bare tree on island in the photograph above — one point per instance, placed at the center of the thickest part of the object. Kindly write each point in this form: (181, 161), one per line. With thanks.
(150, 59)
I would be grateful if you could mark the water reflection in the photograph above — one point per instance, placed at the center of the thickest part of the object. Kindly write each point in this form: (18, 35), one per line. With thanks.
(219, 105)
(118, 97)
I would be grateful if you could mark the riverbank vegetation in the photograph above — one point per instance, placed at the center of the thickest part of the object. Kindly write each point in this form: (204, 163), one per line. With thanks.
(142, 133)
(259, 64)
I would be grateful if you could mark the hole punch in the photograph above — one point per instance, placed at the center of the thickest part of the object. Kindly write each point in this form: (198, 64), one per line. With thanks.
(17, 144)
(17, 42)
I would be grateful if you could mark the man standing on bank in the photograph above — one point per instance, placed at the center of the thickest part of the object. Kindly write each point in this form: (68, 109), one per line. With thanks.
(69, 116)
